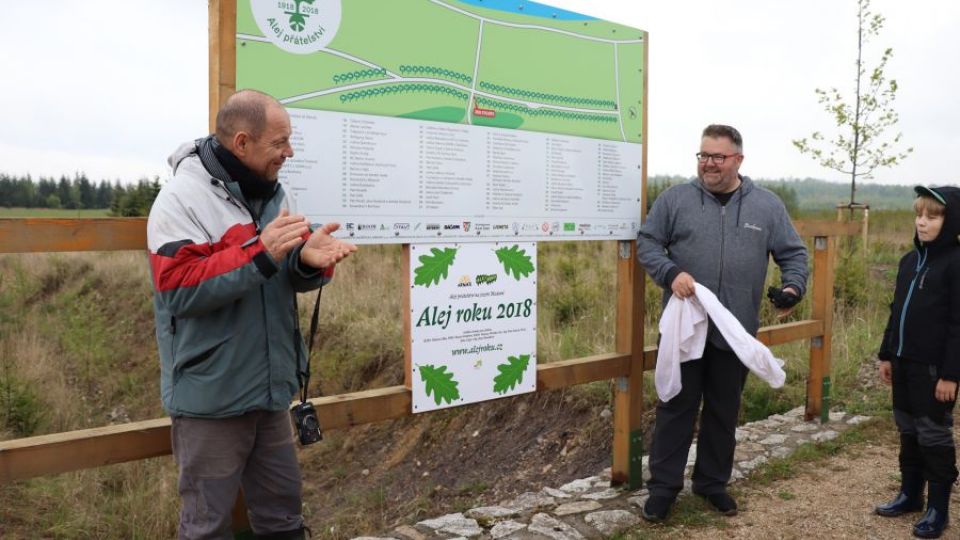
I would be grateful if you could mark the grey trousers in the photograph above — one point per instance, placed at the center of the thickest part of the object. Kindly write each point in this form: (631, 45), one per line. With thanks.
(717, 379)
(218, 456)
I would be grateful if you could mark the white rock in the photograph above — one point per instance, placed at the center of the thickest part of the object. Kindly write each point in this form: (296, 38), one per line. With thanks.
(576, 508)
(530, 501)
(741, 434)
(858, 419)
(506, 528)
(692, 455)
(552, 527)
(773, 439)
(490, 513)
(609, 493)
(780, 452)
(805, 427)
(824, 436)
(455, 524)
(753, 463)
(795, 413)
(605, 413)
(467, 531)
(442, 521)
(639, 500)
(556, 493)
(580, 486)
(837, 416)
(409, 532)
(735, 475)
(609, 522)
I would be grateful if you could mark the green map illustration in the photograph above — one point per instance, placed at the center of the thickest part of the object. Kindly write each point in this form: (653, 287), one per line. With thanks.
(453, 61)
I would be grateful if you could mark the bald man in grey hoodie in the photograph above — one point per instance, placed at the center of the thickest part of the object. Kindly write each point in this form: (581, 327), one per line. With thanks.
(718, 230)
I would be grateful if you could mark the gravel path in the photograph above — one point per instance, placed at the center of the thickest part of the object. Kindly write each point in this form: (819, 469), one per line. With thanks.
(831, 501)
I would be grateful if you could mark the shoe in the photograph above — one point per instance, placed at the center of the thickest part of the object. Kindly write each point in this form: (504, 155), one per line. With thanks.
(909, 499)
(656, 508)
(721, 502)
(936, 519)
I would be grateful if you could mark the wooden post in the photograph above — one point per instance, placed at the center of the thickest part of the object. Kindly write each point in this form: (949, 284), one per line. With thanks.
(628, 392)
(406, 314)
(866, 228)
(818, 382)
(222, 84)
(222, 55)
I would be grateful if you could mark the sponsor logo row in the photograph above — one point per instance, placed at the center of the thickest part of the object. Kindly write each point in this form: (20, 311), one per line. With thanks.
(546, 227)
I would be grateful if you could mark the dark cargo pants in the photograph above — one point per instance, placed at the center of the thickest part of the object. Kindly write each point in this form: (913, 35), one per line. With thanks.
(718, 380)
(217, 456)
(925, 424)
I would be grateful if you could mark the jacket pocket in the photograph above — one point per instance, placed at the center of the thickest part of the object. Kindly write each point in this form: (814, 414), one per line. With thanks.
(196, 359)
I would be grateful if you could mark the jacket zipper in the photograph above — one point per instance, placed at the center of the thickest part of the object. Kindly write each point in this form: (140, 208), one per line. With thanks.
(723, 212)
(263, 299)
(921, 260)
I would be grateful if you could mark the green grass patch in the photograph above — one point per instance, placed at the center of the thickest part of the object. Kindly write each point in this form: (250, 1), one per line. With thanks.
(501, 120)
(437, 114)
(53, 213)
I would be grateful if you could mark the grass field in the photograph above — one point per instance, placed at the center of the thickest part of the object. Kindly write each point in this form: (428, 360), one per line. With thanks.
(52, 213)
(77, 350)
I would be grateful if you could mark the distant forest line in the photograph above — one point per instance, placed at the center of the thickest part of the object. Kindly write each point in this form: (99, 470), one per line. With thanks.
(811, 193)
(78, 193)
(126, 200)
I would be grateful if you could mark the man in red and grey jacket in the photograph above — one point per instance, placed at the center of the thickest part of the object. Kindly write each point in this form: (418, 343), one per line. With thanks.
(227, 260)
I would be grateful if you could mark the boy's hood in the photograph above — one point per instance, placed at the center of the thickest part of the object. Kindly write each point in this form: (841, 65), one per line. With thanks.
(950, 233)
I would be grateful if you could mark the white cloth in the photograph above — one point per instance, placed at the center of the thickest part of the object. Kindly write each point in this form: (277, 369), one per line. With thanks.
(683, 336)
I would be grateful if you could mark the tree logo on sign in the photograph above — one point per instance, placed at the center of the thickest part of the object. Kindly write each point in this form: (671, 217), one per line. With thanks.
(298, 26)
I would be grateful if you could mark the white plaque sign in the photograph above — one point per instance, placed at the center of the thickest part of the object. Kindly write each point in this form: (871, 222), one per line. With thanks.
(473, 316)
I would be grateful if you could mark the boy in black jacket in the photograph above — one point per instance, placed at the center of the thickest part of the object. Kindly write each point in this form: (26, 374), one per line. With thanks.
(920, 356)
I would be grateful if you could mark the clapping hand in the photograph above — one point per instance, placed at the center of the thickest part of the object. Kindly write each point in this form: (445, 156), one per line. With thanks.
(322, 250)
(283, 234)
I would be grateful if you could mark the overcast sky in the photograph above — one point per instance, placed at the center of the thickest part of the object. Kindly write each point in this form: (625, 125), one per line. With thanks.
(111, 88)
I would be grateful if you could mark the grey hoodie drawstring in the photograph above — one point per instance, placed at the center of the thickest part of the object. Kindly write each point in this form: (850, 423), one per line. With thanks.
(739, 208)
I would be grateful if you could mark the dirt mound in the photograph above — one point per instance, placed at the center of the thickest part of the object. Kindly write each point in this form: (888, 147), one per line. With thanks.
(374, 477)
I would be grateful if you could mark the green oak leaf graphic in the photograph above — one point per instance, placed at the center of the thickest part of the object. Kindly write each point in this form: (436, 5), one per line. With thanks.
(511, 373)
(515, 260)
(434, 268)
(440, 384)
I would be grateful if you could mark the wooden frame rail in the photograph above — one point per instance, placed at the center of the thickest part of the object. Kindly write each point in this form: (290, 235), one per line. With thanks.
(38, 235)
(90, 448)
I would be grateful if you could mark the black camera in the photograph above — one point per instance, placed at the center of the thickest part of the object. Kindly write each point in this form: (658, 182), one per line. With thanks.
(306, 423)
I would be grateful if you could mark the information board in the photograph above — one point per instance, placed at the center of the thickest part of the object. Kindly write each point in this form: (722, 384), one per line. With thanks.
(484, 120)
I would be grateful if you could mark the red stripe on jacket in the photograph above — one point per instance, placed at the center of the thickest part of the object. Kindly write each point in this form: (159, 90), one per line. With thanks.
(194, 264)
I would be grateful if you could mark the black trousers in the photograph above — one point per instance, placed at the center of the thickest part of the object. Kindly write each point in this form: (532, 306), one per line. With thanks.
(925, 424)
(717, 380)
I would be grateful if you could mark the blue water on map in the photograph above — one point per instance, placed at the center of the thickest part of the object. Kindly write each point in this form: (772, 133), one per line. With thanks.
(534, 9)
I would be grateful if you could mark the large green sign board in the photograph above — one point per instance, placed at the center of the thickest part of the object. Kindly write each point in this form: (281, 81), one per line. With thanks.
(513, 65)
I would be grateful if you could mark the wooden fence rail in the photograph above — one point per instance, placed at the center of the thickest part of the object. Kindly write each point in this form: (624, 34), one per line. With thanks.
(89, 448)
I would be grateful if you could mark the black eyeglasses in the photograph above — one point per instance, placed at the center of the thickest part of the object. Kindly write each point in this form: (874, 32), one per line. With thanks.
(717, 158)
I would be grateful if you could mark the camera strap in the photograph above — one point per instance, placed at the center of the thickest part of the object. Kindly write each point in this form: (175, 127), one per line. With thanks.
(304, 376)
